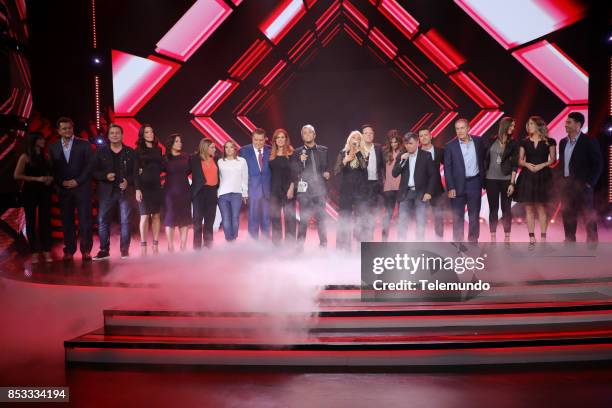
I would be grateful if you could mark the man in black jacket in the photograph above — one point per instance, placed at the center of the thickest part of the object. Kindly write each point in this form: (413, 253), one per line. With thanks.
(114, 171)
(581, 164)
(369, 209)
(312, 167)
(72, 160)
(416, 185)
(438, 199)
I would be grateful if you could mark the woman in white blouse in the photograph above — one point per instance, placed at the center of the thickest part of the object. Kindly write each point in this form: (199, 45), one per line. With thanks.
(233, 189)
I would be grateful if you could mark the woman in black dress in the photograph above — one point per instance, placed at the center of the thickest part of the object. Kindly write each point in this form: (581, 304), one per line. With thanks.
(147, 180)
(34, 169)
(352, 167)
(282, 197)
(536, 153)
(177, 192)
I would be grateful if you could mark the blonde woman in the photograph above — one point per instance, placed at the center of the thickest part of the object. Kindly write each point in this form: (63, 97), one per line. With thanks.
(536, 153)
(204, 186)
(351, 166)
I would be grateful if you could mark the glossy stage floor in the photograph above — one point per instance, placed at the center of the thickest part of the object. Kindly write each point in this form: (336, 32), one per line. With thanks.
(252, 303)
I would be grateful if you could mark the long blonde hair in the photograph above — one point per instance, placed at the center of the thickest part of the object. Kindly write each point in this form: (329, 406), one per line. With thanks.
(541, 126)
(347, 145)
(203, 148)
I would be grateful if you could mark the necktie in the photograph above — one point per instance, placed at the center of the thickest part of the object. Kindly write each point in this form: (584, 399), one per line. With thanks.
(260, 158)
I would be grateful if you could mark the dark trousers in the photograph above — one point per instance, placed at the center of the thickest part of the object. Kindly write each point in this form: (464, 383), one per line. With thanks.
(472, 197)
(348, 226)
(204, 208)
(259, 216)
(389, 202)
(312, 205)
(497, 190)
(369, 210)
(37, 209)
(78, 198)
(106, 207)
(282, 209)
(438, 209)
(578, 201)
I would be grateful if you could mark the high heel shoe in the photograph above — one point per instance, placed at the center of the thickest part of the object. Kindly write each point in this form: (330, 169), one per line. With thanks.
(543, 236)
(155, 247)
(143, 248)
(532, 239)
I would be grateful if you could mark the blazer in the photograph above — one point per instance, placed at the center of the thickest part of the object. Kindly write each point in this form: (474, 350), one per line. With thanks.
(424, 174)
(438, 160)
(509, 159)
(103, 164)
(454, 166)
(586, 163)
(260, 180)
(78, 167)
(380, 163)
(198, 181)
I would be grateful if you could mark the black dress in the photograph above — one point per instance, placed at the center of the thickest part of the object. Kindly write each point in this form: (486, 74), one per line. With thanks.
(148, 179)
(282, 175)
(36, 200)
(535, 187)
(177, 192)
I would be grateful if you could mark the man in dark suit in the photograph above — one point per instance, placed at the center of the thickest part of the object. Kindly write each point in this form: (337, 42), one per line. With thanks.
(464, 174)
(312, 168)
(373, 188)
(417, 183)
(581, 164)
(113, 169)
(257, 156)
(438, 199)
(72, 161)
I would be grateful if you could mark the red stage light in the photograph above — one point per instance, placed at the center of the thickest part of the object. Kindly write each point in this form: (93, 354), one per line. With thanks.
(301, 46)
(475, 89)
(421, 122)
(249, 60)
(556, 70)
(325, 17)
(500, 18)
(442, 121)
(136, 80)
(282, 19)
(273, 73)
(212, 129)
(483, 121)
(246, 122)
(385, 45)
(330, 36)
(410, 69)
(359, 41)
(355, 14)
(214, 97)
(439, 51)
(193, 28)
(399, 17)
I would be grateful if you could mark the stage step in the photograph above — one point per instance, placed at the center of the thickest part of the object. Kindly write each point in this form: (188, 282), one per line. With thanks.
(370, 335)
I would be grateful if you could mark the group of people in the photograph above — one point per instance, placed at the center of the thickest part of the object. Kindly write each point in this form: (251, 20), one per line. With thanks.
(407, 172)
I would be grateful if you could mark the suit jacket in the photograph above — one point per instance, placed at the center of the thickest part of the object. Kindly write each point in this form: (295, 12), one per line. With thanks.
(424, 174)
(198, 181)
(454, 166)
(585, 163)
(260, 181)
(380, 163)
(78, 167)
(509, 159)
(438, 160)
(322, 165)
(103, 164)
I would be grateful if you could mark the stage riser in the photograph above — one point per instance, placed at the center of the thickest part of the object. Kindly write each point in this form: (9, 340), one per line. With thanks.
(385, 358)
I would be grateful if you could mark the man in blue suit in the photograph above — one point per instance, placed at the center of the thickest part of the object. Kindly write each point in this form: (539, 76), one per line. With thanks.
(464, 174)
(257, 156)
